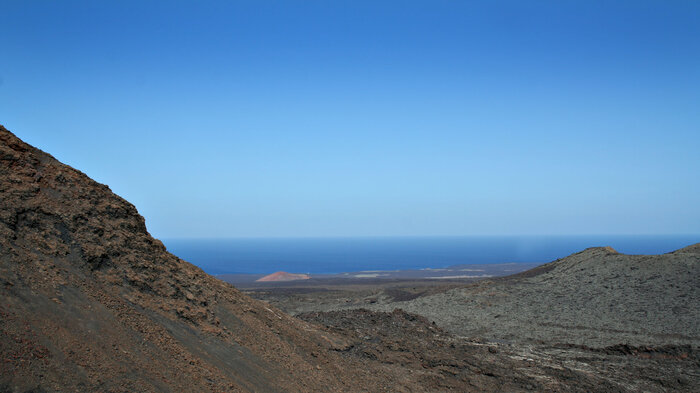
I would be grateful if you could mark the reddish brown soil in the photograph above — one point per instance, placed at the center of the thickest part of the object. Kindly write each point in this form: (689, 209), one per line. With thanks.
(283, 276)
(91, 302)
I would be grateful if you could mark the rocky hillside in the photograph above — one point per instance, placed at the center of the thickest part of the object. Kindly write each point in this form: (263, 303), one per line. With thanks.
(597, 297)
(599, 320)
(91, 302)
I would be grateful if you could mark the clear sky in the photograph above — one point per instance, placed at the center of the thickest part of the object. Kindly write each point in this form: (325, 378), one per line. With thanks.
(360, 118)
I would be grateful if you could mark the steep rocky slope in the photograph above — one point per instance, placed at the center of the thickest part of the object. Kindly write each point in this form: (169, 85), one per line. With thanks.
(91, 302)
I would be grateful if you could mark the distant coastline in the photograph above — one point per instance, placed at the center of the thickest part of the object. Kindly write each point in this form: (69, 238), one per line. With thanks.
(354, 254)
(456, 273)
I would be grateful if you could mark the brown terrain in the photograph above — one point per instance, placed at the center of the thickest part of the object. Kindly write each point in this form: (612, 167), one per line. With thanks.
(283, 276)
(89, 301)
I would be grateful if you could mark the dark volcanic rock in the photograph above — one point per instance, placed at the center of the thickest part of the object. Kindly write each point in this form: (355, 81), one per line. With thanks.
(447, 363)
(627, 322)
(597, 298)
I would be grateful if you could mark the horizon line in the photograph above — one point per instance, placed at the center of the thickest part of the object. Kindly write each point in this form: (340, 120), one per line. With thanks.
(420, 236)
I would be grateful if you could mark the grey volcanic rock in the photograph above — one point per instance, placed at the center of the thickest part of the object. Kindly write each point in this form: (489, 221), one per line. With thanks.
(692, 249)
(594, 321)
(596, 298)
(411, 341)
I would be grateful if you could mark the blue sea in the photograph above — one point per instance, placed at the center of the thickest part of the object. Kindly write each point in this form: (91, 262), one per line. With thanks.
(336, 255)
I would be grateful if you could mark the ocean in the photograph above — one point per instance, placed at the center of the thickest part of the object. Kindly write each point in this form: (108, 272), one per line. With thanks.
(336, 255)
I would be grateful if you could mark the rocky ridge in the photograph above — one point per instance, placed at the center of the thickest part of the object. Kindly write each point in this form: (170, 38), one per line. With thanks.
(597, 297)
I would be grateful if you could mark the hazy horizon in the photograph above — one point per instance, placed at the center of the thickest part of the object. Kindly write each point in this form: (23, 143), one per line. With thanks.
(336, 255)
(355, 119)
(513, 235)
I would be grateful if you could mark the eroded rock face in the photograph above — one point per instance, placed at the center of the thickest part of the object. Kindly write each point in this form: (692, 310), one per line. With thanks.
(56, 220)
(91, 302)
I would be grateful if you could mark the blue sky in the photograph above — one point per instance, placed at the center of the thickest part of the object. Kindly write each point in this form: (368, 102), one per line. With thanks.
(362, 118)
